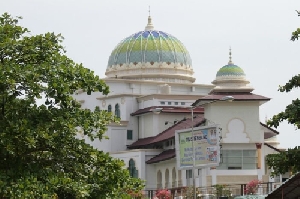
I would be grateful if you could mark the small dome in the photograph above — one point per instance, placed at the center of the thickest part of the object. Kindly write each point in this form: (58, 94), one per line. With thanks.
(151, 55)
(230, 70)
(231, 78)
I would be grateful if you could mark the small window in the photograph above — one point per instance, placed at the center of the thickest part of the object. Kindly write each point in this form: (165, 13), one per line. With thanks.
(162, 103)
(129, 134)
(167, 143)
(182, 103)
(133, 172)
(109, 108)
(169, 103)
(189, 174)
(117, 111)
(176, 103)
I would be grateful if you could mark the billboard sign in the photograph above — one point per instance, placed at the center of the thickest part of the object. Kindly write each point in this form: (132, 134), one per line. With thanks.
(203, 143)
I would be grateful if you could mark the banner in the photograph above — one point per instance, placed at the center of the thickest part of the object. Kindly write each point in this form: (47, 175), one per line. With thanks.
(204, 141)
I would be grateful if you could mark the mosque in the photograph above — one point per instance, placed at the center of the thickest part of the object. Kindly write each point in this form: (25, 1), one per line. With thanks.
(150, 76)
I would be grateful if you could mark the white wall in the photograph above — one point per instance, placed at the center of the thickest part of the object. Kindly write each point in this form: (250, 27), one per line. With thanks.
(146, 172)
(116, 142)
(151, 124)
(247, 112)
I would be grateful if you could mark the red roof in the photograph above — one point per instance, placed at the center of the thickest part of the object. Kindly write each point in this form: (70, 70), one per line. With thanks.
(269, 134)
(165, 155)
(270, 146)
(168, 109)
(170, 132)
(236, 96)
(288, 189)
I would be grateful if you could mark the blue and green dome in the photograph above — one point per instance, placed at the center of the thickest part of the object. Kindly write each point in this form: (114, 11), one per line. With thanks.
(150, 46)
(151, 55)
(230, 70)
(231, 79)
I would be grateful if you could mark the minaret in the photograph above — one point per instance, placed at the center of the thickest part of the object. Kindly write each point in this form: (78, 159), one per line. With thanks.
(149, 25)
(230, 58)
(231, 78)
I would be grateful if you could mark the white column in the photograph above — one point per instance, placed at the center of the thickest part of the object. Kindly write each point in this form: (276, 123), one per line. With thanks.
(203, 176)
(213, 173)
(142, 163)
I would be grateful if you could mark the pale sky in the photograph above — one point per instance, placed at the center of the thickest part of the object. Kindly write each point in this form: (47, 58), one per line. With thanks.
(258, 32)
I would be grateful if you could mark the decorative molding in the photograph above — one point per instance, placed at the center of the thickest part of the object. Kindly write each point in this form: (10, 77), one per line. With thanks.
(117, 96)
(147, 71)
(236, 134)
(122, 100)
(169, 97)
(258, 145)
(148, 65)
(135, 81)
(103, 103)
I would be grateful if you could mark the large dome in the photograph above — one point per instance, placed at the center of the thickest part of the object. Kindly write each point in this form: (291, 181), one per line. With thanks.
(151, 55)
(150, 46)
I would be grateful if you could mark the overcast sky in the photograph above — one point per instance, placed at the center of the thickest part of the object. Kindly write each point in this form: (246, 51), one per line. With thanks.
(257, 31)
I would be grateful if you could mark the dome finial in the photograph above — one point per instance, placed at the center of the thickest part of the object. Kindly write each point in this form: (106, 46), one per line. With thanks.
(230, 58)
(149, 25)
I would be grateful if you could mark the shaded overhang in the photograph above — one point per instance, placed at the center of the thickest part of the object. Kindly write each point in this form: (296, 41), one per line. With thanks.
(167, 109)
(237, 97)
(288, 189)
(163, 156)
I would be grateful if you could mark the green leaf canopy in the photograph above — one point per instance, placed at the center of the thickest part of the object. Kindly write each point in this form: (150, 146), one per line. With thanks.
(40, 156)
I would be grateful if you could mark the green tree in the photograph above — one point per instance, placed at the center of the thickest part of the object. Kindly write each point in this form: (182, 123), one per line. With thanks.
(40, 156)
(287, 161)
(296, 33)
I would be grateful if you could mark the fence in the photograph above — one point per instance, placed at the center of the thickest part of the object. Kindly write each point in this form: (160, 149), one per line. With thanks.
(218, 190)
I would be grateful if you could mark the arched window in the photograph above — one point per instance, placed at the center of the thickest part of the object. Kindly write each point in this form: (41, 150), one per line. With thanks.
(167, 178)
(117, 111)
(179, 179)
(159, 180)
(173, 177)
(109, 108)
(132, 169)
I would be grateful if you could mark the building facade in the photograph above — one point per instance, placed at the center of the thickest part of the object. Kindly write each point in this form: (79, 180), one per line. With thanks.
(152, 88)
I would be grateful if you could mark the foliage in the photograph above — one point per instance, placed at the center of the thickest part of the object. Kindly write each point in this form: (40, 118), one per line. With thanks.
(222, 190)
(189, 192)
(288, 160)
(296, 33)
(40, 157)
(162, 194)
(284, 161)
(134, 194)
(252, 187)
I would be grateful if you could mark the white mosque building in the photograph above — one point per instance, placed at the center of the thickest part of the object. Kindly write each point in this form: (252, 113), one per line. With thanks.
(150, 76)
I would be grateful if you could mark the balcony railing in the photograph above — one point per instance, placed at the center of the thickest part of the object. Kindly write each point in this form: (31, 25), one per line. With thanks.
(232, 190)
